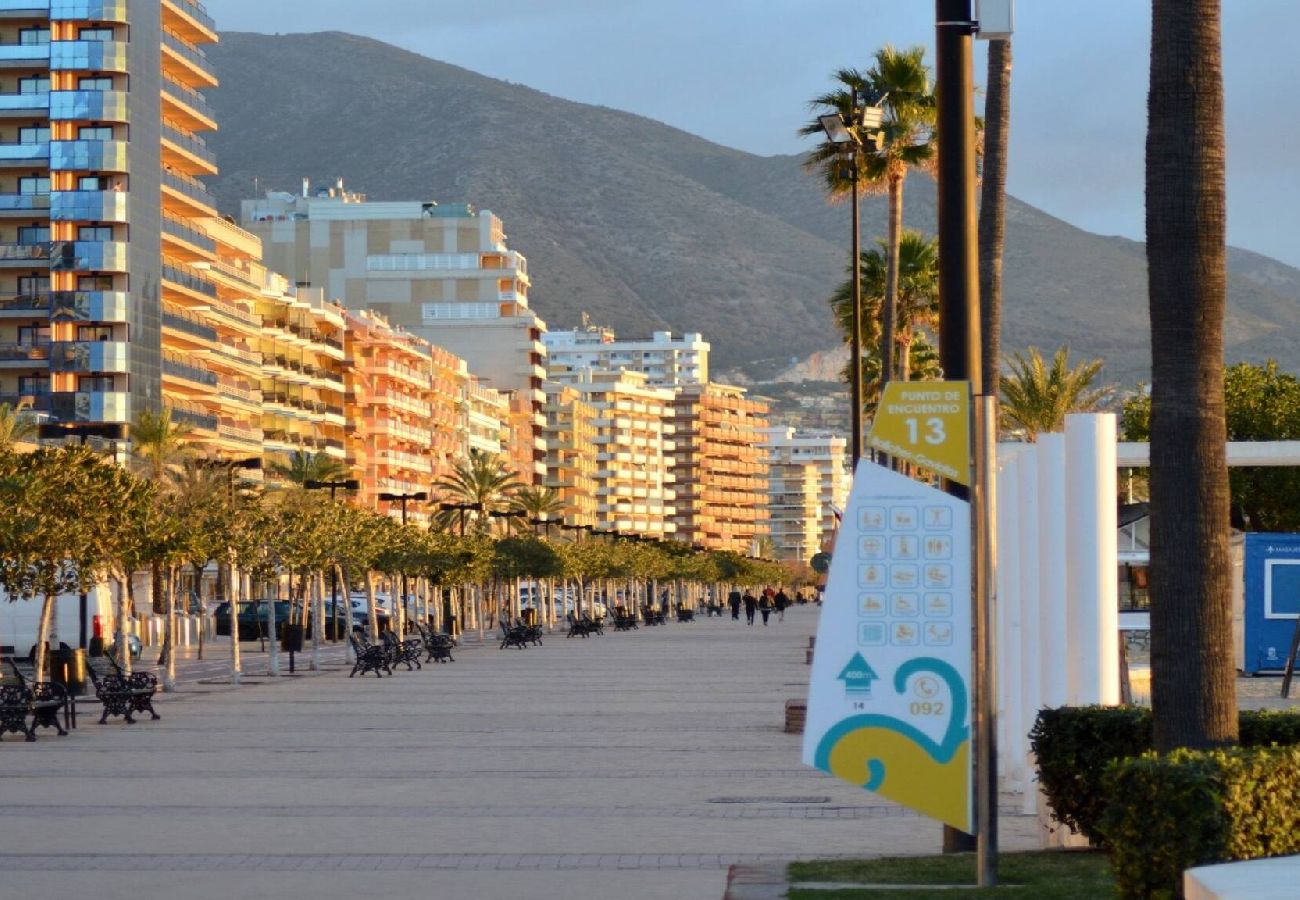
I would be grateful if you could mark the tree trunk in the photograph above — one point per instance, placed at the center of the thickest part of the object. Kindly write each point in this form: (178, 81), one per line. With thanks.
(889, 306)
(203, 607)
(372, 608)
(345, 601)
(273, 656)
(1193, 692)
(232, 592)
(42, 664)
(317, 619)
(169, 640)
(128, 615)
(993, 208)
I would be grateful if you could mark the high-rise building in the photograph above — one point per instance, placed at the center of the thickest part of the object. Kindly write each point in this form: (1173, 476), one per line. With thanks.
(793, 506)
(719, 466)
(666, 361)
(101, 111)
(571, 453)
(634, 443)
(487, 419)
(823, 454)
(442, 272)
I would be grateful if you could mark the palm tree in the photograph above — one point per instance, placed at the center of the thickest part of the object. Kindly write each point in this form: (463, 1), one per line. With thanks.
(902, 79)
(15, 426)
(300, 467)
(538, 503)
(1193, 690)
(1036, 398)
(993, 207)
(484, 481)
(159, 444)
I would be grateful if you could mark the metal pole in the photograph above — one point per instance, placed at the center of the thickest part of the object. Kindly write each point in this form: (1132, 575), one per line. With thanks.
(856, 340)
(960, 355)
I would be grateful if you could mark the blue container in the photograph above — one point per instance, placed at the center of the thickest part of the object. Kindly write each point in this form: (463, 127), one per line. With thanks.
(1272, 600)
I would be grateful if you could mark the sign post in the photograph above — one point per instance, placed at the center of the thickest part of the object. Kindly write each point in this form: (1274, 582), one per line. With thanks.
(889, 706)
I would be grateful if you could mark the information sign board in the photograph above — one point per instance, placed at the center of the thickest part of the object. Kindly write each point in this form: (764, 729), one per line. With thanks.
(889, 702)
(926, 423)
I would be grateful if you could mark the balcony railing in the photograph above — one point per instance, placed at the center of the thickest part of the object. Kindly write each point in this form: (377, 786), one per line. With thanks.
(191, 144)
(192, 414)
(24, 52)
(28, 152)
(177, 228)
(188, 278)
(196, 12)
(190, 187)
(186, 50)
(24, 303)
(189, 97)
(24, 253)
(19, 352)
(179, 369)
(24, 201)
(25, 101)
(188, 323)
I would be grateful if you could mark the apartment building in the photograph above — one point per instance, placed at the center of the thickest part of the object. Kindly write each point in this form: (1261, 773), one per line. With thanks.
(634, 443)
(721, 475)
(487, 419)
(794, 488)
(442, 272)
(390, 439)
(571, 453)
(84, 200)
(823, 455)
(666, 361)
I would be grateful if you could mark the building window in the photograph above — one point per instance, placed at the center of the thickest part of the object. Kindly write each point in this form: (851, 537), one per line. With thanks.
(32, 36)
(90, 183)
(31, 285)
(39, 84)
(34, 234)
(29, 335)
(33, 385)
(95, 233)
(34, 134)
(95, 34)
(95, 133)
(95, 384)
(34, 184)
(94, 332)
(95, 83)
(95, 283)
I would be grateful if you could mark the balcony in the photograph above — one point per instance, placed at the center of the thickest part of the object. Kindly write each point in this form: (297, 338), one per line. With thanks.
(89, 156)
(192, 190)
(24, 306)
(193, 416)
(189, 104)
(190, 324)
(189, 279)
(193, 60)
(24, 355)
(192, 18)
(89, 306)
(195, 238)
(89, 356)
(91, 406)
(34, 155)
(89, 206)
(89, 256)
(175, 368)
(89, 106)
(23, 56)
(251, 436)
(23, 205)
(88, 56)
(90, 10)
(191, 146)
(23, 256)
(25, 106)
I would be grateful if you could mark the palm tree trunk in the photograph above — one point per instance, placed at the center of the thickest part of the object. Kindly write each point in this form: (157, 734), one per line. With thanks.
(889, 308)
(1193, 692)
(993, 208)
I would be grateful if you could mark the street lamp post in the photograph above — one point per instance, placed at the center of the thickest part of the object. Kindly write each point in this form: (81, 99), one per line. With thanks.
(348, 484)
(841, 134)
(419, 497)
(232, 592)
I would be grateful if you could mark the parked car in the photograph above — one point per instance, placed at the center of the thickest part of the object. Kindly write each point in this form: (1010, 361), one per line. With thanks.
(254, 618)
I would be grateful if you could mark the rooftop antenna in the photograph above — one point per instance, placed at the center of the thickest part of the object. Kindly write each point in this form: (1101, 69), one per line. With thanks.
(306, 186)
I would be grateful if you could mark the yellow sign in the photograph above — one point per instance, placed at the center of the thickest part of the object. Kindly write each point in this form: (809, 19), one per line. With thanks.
(926, 423)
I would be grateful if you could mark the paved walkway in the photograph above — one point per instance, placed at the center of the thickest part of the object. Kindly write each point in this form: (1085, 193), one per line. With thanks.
(636, 765)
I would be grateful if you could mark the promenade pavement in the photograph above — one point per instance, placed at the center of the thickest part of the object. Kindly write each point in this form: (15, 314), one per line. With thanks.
(633, 765)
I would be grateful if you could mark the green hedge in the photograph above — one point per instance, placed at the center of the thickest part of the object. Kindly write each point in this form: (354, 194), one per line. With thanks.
(1190, 808)
(1075, 744)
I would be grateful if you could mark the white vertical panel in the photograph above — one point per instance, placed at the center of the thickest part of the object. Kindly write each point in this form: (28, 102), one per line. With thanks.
(1008, 612)
(1052, 628)
(1031, 685)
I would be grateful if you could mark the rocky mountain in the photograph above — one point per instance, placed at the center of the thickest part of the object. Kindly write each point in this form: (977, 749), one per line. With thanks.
(646, 227)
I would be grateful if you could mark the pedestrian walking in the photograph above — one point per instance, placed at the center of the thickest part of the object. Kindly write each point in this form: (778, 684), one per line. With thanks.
(765, 607)
(782, 601)
(751, 606)
(733, 600)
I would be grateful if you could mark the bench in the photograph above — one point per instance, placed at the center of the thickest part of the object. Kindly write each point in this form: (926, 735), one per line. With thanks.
(114, 694)
(652, 616)
(513, 636)
(369, 658)
(403, 652)
(623, 620)
(438, 646)
(143, 686)
(578, 627)
(685, 615)
(48, 700)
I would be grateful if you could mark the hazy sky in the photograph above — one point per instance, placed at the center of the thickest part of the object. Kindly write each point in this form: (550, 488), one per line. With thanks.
(740, 72)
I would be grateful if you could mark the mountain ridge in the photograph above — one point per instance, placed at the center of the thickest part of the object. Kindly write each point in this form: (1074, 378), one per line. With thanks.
(648, 227)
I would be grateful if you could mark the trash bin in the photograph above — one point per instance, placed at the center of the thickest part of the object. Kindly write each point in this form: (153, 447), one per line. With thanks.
(68, 668)
(291, 640)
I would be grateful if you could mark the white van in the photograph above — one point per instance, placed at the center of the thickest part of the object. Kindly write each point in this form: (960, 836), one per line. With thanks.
(20, 620)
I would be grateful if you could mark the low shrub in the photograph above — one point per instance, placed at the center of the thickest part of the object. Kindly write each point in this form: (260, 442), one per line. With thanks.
(1191, 808)
(1075, 744)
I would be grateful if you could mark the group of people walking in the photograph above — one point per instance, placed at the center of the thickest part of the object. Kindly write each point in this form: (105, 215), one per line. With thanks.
(767, 602)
